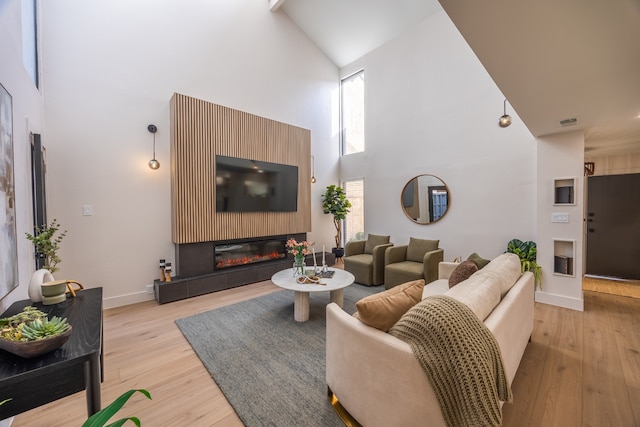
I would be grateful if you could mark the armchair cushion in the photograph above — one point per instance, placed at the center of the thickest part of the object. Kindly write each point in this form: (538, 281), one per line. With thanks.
(354, 247)
(418, 247)
(373, 241)
(383, 310)
(463, 271)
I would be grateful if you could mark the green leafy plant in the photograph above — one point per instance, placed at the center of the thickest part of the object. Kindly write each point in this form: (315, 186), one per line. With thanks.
(334, 202)
(527, 251)
(100, 418)
(47, 245)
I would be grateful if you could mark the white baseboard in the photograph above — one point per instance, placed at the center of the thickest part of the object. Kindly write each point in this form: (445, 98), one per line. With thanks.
(126, 299)
(560, 300)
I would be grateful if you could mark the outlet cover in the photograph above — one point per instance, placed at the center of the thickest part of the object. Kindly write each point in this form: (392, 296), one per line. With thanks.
(559, 217)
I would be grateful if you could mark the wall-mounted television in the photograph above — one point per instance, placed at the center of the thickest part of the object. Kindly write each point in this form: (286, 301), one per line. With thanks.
(244, 185)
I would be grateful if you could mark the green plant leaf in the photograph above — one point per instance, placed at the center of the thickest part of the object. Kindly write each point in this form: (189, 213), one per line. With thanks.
(100, 418)
(121, 422)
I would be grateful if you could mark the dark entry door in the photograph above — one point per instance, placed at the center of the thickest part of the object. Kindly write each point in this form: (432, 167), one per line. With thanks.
(613, 226)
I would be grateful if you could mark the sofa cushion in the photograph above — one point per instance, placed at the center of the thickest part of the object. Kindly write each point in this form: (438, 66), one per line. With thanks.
(480, 262)
(481, 293)
(374, 240)
(506, 268)
(418, 247)
(463, 271)
(437, 287)
(383, 310)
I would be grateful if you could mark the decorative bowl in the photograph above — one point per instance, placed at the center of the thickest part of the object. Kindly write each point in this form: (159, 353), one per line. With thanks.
(30, 349)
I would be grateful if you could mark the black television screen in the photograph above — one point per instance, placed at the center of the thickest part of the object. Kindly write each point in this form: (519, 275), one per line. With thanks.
(244, 185)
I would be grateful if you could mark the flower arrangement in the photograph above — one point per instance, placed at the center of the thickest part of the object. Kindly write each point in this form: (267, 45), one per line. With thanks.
(299, 249)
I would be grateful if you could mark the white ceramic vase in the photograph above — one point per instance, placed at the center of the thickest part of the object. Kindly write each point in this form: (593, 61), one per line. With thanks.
(35, 285)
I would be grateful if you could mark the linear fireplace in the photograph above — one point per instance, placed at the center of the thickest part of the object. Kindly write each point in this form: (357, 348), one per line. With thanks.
(229, 255)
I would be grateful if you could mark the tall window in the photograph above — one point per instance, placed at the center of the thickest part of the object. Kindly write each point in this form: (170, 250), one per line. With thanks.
(30, 39)
(354, 222)
(352, 96)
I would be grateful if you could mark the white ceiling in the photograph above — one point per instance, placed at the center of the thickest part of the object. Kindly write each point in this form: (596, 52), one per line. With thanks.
(553, 60)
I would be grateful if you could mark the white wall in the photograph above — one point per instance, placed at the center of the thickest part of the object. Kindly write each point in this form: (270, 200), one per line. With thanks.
(432, 108)
(109, 70)
(27, 117)
(560, 156)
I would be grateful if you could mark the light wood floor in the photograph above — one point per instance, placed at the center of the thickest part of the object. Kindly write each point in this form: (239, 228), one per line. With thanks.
(581, 368)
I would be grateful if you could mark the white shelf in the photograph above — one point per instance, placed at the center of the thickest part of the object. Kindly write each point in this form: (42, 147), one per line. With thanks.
(564, 257)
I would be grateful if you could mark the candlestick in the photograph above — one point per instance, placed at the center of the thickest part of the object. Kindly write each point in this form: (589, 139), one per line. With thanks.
(313, 250)
(323, 261)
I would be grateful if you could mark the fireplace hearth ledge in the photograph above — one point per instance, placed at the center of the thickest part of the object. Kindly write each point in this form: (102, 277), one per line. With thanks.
(188, 287)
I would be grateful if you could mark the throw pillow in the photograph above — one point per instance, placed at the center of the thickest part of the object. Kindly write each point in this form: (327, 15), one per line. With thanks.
(383, 310)
(373, 241)
(418, 247)
(463, 271)
(480, 262)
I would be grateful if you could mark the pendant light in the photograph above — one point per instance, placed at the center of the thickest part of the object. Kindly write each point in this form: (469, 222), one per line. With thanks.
(505, 120)
(153, 163)
(313, 170)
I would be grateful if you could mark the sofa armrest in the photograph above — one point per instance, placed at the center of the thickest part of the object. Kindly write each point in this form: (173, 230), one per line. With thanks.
(395, 254)
(511, 322)
(354, 247)
(430, 264)
(396, 393)
(445, 268)
(378, 263)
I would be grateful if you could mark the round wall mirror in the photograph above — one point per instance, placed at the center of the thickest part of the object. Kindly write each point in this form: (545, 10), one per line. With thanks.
(425, 199)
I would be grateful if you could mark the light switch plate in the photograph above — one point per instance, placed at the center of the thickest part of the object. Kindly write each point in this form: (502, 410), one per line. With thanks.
(559, 217)
(87, 210)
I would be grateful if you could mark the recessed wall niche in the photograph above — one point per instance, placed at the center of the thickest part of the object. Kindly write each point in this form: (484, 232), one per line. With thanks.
(564, 191)
(199, 131)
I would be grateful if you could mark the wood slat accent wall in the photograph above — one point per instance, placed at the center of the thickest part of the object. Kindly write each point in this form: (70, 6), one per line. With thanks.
(199, 131)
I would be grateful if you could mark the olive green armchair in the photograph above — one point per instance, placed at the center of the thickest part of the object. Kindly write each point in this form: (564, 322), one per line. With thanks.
(365, 259)
(417, 260)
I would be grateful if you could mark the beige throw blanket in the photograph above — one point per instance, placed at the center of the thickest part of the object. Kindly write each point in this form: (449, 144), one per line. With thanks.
(461, 358)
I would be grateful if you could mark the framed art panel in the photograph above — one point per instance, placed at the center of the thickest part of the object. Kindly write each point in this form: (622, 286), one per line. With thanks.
(8, 242)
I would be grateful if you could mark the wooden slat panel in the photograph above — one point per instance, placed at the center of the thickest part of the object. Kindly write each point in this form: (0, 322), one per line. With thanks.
(199, 131)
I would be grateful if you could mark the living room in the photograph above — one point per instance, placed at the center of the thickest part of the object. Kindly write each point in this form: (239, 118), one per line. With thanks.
(110, 69)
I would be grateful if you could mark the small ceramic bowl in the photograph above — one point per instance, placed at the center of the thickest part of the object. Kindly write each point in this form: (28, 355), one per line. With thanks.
(54, 292)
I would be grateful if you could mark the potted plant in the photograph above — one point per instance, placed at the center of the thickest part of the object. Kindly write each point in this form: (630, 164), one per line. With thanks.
(47, 245)
(334, 202)
(527, 251)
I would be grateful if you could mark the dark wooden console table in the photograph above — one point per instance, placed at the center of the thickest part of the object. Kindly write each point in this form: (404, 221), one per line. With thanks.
(75, 366)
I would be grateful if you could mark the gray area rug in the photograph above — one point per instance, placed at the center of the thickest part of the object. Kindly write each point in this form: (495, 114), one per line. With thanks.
(270, 367)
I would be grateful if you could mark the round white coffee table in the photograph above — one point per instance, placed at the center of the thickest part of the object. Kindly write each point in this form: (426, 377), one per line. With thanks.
(335, 285)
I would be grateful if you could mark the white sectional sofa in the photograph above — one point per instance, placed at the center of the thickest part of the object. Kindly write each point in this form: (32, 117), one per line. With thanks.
(379, 381)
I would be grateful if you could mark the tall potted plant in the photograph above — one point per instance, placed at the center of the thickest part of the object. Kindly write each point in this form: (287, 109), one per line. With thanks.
(334, 202)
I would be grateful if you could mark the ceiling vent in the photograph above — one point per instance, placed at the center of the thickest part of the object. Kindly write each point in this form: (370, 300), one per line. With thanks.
(568, 122)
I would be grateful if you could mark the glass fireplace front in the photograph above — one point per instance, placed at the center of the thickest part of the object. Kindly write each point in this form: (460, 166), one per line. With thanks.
(242, 253)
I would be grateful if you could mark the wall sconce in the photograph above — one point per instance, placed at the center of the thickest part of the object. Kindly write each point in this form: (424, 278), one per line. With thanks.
(505, 120)
(313, 170)
(153, 163)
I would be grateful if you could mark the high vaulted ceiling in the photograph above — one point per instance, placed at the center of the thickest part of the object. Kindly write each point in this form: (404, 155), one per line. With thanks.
(553, 60)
